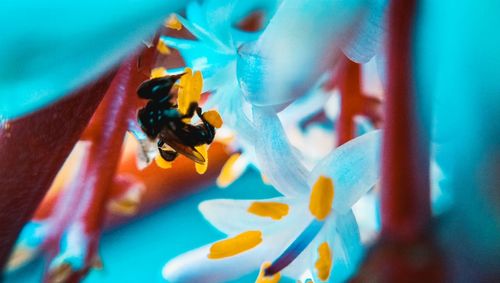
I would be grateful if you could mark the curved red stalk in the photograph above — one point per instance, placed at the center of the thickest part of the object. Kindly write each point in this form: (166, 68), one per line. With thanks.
(33, 149)
(92, 185)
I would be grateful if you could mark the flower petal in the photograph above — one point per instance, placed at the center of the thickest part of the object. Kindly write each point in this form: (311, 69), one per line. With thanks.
(195, 266)
(354, 169)
(301, 42)
(232, 216)
(346, 246)
(369, 34)
(48, 51)
(275, 156)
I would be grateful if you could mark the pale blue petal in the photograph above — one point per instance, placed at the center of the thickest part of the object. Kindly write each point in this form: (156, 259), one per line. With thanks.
(354, 169)
(369, 34)
(195, 266)
(301, 42)
(232, 217)
(275, 156)
(344, 240)
(50, 49)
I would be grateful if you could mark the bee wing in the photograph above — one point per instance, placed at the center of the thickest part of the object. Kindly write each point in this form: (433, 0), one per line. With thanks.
(177, 145)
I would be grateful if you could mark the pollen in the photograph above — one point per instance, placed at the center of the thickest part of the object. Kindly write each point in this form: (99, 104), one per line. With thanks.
(190, 87)
(235, 245)
(320, 202)
(274, 210)
(173, 23)
(202, 168)
(162, 163)
(162, 48)
(228, 173)
(267, 279)
(213, 117)
(158, 72)
(324, 263)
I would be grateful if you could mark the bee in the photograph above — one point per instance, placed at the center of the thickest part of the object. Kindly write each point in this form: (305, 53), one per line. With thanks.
(161, 119)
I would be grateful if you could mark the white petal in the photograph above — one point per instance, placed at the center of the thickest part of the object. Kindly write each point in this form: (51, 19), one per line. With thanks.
(369, 34)
(300, 43)
(348, 232)
(275, 156)
(231, 216)
(194, 266)
(354, 168)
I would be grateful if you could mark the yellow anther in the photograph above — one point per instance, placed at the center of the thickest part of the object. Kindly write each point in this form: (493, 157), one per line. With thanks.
(173, 23)
(197, 86)
(320, 202)
(158, 72)
(213, 118)
(202, 168)
(324, 263)
(190, 87)
(235, 245)
(124, 206)
(162, 48)
(274, 210)
(227, 174)
(261, 278)
(162, 163)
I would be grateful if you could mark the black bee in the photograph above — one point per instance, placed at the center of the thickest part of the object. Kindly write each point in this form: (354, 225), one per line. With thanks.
(161, 119)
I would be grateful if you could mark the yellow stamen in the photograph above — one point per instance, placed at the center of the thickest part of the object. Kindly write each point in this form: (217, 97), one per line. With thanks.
(324, 263)
(213, 118)
(127, 207)
(173, 23)
(202, 168)
(227, 175)
(320, 202)
(182, 89)
(190, 87)
(236, 245)
(158, 72)
(267, 279)
(274, 210)
(162, 163)
(162, 48)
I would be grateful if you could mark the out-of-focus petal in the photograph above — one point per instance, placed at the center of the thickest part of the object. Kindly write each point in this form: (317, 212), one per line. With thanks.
(369, 34)
(275, 156)
(49, 49)
(354, 169)
(301, 42)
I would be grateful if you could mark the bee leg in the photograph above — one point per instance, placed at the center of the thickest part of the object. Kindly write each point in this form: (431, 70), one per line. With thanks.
(193, 107)
(209, 129)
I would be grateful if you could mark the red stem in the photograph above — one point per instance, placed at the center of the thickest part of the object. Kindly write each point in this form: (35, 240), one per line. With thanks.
(405, 167)
(33, 149)
(350, 92)
(353, 101)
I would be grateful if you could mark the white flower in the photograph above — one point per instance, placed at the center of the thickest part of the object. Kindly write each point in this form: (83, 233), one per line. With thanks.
(299, 233)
